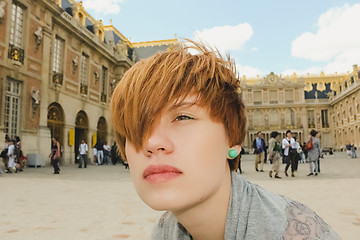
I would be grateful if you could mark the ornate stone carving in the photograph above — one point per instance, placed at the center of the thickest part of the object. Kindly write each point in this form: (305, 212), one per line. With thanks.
(133, 56)
(97, 76)
(122, 49)
(35, 96)
(2, 10)
(75, 63)
(38, 34)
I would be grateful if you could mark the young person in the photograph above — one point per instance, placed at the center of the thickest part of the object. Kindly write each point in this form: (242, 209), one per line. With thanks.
(179, 120)
(275, 153)
(314, 153)
(83, 152)
(290, 153)
(55, 155)
(259, 151)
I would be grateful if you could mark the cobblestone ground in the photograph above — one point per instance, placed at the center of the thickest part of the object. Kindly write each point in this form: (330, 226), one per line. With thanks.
(99, 202)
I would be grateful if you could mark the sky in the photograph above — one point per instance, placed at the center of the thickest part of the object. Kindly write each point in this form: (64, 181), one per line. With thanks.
(262, 36)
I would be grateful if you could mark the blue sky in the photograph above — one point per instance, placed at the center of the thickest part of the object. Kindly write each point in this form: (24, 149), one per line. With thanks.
(283, 36)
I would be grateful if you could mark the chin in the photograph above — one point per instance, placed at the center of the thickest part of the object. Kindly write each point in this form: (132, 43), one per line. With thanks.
(164, 201)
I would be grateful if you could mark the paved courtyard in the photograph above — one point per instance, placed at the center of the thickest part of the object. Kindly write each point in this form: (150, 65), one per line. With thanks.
(99, 202)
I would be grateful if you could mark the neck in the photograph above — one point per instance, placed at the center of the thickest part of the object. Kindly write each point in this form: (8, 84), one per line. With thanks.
(207, 219)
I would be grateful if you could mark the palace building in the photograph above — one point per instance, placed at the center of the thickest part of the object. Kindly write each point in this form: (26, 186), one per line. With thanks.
(58, 67)
(328, 103)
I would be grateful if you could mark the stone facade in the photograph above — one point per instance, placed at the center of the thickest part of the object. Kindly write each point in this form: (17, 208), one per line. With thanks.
(328, 103)
(58, 67)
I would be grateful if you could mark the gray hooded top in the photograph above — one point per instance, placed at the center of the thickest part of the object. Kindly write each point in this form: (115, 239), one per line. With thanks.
(255, 213)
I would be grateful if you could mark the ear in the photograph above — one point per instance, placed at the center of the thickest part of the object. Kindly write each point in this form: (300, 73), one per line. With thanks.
(237, 148)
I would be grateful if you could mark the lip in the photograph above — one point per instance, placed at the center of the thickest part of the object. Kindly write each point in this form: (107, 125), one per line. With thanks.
(160, 173)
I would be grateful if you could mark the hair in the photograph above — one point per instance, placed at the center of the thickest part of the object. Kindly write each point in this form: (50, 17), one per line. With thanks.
(313, 133)
(294, 138)
(274, 134)
(288, 131)
(258, 132)
(152, 83)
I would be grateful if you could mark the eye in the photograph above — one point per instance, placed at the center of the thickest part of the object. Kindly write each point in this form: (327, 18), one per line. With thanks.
(183, 117)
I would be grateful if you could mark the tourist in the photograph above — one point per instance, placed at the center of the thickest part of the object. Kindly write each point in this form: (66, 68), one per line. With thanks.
(95, 155)
(180, 121)
(12, 156)
(107, 153)
(314, 153)
(55, 155)
(274, 153)
(353, 151)
(259, 151)
(99, 152)
(5, 151)
(83, 152)
(348, 150)
(290, 153)
(20, 157)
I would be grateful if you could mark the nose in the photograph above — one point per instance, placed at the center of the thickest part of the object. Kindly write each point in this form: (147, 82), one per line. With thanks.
(159, 142)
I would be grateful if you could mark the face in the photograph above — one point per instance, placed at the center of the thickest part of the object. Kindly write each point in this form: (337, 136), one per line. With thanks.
(183, 162)
(82, 141)
(288, 135)
(259, 135)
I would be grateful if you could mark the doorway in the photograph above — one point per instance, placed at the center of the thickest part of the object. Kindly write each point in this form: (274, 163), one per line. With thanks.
(81, 131)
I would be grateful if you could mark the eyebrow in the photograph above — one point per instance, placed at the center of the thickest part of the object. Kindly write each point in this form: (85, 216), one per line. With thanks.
(182, 105)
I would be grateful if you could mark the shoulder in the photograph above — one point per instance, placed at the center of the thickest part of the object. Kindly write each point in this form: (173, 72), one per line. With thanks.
(169, 228)
(304, 223)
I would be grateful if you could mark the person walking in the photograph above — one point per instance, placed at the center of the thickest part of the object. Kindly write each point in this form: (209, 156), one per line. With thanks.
(259, 149)
(12, 156)
(274, 153)
(55, 155)
(83, 151)
(289, 153)
(314, 153)
(353, 151)
(99, 152)
(348, 150)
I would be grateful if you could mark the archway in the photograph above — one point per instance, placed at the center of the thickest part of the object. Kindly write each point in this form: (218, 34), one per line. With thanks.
(55, 121)
(81, 131)
(102, 130)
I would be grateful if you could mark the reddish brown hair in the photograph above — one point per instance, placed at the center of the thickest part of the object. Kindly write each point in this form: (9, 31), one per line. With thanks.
(152, 83)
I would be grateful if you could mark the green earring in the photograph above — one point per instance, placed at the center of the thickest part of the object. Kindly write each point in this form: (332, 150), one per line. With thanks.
(233, 153)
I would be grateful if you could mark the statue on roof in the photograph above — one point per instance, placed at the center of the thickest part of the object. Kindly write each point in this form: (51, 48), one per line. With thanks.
(122, 49)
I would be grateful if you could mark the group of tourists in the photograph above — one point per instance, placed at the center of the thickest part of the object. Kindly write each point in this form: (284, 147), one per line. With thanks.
(351, 150)
(290, 151)
(13, 158)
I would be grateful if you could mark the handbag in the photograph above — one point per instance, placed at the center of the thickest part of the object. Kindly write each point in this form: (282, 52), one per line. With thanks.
(309, 145)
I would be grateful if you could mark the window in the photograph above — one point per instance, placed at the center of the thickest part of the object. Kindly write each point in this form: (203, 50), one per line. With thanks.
(83, 73)
(12, 107)
(311, 118)
(324, 118)
(273, 97)
(289, 96)
(257, 97)
(58, 55)
(103, 84)
(16, 27)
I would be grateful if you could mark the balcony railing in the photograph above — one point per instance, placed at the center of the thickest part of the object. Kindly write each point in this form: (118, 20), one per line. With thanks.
(58, 78)
(83, 89)
(103, 97)
(16, 53)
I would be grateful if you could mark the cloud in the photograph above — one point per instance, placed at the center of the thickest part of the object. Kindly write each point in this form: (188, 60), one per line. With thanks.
(226, 38)
(248, 71)
(336, 41)
(103, 6)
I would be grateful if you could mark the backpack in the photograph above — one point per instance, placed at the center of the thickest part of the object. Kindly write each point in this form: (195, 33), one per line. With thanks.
(309, 145)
